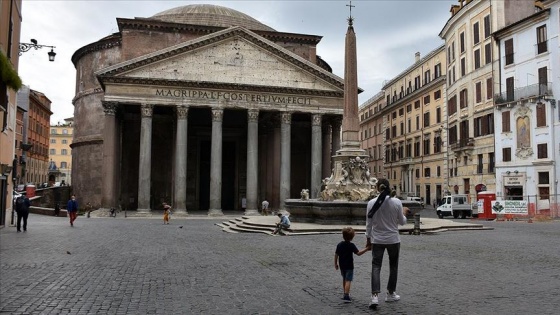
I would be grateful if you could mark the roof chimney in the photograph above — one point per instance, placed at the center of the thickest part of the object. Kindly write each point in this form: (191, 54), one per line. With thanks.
(417, 56)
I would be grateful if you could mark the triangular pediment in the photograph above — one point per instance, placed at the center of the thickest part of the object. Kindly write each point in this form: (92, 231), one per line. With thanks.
(232, 56)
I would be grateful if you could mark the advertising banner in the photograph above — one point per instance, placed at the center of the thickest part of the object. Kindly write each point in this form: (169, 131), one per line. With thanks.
(509, 207)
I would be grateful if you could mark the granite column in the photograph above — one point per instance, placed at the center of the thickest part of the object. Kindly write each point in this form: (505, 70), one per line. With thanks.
(316, 159)
(252, 161)
(216, 164)
(180, 194)
(285, 157)
(145, 165)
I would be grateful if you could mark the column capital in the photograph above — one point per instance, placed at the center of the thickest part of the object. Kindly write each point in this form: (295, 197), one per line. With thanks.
(110, 108)
(217, 114)
(253, 115)
(316, 119)
(147, 110)
(286, 117)
(336, 121)
(182, 111)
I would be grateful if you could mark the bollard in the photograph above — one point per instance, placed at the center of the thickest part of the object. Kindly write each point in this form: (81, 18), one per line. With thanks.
(416, 230)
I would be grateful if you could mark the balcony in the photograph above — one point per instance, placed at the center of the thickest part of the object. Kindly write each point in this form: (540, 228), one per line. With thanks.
(530, 91)
(463, 144)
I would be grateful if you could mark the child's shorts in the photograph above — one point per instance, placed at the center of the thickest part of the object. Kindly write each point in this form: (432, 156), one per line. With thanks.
(347, 275)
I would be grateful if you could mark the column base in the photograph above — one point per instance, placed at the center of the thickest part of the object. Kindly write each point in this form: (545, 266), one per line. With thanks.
(143, 213)
(215, 212)
(252, 212)
(180, 212)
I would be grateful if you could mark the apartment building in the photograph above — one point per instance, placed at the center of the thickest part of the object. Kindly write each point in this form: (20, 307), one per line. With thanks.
(372, 132)
(37, 158)
(526, 113)
(60, 153)
(472, 64)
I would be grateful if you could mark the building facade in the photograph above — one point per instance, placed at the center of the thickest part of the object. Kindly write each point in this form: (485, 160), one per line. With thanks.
(414, 119)
(10, 29)
(37, 158)
(60, 152)
(527, 117)
(201, 106)
(372, 134)
(472, 65)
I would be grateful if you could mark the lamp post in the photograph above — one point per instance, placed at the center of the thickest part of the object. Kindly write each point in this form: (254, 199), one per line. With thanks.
(23, 47)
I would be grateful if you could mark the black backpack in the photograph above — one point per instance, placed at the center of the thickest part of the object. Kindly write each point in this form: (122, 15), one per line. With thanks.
(20, 204)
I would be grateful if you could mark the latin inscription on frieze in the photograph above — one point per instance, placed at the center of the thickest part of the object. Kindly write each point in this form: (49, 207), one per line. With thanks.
(233, 96)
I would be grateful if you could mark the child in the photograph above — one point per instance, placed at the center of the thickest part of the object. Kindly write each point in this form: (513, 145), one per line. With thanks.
(166, 213)
(344, 257)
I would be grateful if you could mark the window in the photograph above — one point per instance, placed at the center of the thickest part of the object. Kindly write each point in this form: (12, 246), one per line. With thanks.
(64, 152)
(509, 89)
(394, 131)
(476, 33)
(477, 59)
(417, 122)
(452, 105)
(52, 141)
(63, 165)
(438, 171)
(463, 99)
(387, 134)
(544, 178)
(509, 51)
(395, 115)
(491, 162)
(427, 172)
(65, 131)
(437, 95)
(480, 166)
(487, 54)
(438, 115)
(417, 173)
(543, 81)
(53, 131)
(462, 42)
(437, 71)
(489, 88)
(402, 128)
(506, 122)
(427, 77)
(426, 119)
(541, 115)
(417, 146)
(408, 108)
(401, 111)
(409, 125)
(408, 151)
(416, 104)
(437, 144)
(542, 151)
(463, 67)
(426, 99)
(52, 151)
(427, 146)
(453, 135)
(478, 92)
(64, 141)
(487, 27)
(541, 40)
(417, 83)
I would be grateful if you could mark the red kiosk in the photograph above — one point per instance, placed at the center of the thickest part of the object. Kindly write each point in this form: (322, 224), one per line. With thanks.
(486, 198)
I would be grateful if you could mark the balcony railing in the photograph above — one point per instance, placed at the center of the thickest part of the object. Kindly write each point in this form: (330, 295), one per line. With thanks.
(534, 90)
(462, 144)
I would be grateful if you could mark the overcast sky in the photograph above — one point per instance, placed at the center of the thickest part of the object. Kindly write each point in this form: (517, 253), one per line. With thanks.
(389, 33)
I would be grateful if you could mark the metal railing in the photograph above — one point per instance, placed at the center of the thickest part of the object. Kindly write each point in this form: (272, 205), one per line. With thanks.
(534, 90)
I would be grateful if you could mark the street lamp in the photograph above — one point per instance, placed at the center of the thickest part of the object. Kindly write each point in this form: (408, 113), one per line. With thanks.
(23, 47)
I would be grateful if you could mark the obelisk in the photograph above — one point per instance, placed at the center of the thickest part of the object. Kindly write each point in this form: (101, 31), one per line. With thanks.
(350, 179)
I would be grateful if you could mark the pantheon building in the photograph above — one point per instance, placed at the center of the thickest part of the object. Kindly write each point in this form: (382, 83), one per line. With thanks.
(201, 106)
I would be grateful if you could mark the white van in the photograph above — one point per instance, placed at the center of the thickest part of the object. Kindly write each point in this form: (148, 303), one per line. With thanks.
(455, 205)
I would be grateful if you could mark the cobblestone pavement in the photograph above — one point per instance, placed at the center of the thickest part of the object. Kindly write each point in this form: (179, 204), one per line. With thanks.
(140, 266)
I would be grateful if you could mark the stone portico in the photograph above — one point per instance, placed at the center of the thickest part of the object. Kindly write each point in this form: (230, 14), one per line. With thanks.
(205, 122)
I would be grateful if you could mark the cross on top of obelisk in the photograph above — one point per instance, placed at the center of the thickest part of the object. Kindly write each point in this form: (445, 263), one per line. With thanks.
(350, 19)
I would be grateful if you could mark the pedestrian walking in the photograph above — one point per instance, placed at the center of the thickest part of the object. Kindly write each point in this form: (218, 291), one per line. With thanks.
(72, 209)
(344, 259)
(244, 204)
(22, 210)
(88, 209)
(264, 207)
(384, 215)
(166, 213)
